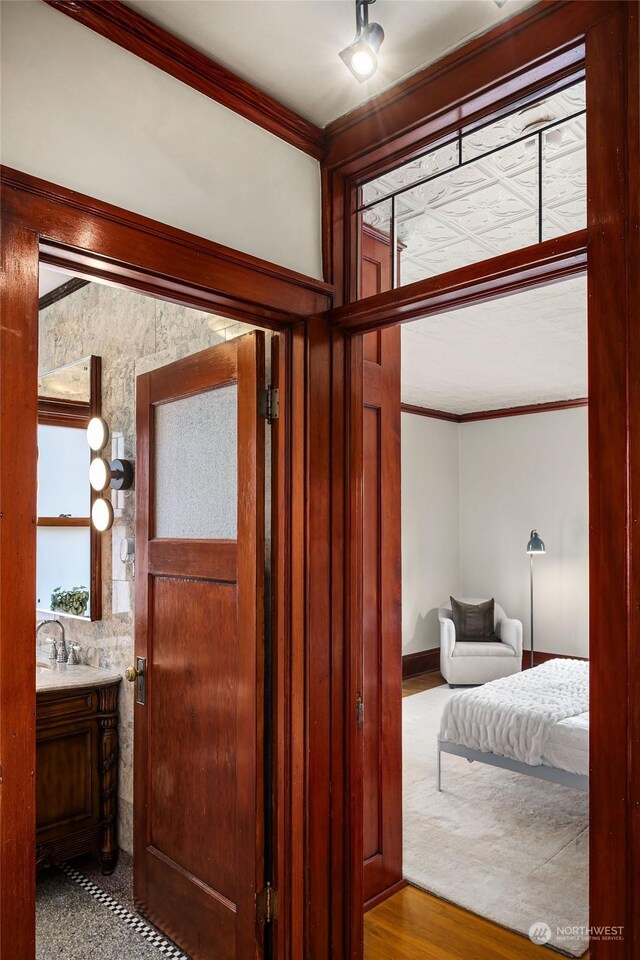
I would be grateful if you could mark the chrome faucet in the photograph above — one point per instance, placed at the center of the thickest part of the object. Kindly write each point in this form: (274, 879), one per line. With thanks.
(58, 649)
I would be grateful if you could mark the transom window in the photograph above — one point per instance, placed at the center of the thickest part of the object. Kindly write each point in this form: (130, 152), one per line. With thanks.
(498, 187)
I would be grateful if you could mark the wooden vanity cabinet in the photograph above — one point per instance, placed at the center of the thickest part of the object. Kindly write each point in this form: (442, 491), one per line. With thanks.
(77, 773)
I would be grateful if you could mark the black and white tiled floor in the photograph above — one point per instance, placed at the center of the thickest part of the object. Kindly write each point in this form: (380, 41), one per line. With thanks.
(79, 920)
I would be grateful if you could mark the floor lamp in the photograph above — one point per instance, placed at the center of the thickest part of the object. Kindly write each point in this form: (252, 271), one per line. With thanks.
(535, 546)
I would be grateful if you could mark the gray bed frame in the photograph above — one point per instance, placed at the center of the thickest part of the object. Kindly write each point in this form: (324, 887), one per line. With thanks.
(542, 772)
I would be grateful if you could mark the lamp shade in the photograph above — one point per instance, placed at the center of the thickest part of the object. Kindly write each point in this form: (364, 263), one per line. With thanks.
(535, 545)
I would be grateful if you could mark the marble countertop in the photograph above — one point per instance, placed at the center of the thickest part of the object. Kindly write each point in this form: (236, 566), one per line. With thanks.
(62, 676)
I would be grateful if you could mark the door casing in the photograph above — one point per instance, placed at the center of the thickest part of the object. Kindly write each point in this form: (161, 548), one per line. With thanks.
(557, 37)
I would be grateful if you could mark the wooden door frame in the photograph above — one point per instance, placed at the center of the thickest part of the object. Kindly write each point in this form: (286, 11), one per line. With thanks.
(43, 222)
(395, 126)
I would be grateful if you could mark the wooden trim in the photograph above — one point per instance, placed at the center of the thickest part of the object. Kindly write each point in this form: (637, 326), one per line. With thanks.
(140, 36)
(609, 32)
(524, 54)
(429, 412)
(425, 661)
(521, 411)
(41, 219)
(540, 656)
(495, 414)
(132, 251)
(200, 559)
(632, 108)
(55, 412)
(64, 521)
(18, 447)
(495, 277)
(59, 293)
(385, 894)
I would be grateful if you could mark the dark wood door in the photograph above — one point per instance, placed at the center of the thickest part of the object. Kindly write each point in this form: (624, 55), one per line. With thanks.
(381, 655)
(199, 820)
(382, 615)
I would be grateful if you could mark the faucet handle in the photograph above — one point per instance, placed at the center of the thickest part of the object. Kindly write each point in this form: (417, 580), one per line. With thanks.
(53, 650)
(74, 659)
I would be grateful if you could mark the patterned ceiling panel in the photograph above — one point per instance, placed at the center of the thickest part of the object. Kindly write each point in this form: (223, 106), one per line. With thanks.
(529, 347)
(490, 205)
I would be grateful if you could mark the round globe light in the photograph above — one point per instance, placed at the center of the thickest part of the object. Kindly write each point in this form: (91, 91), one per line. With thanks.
(102, 515)
(99, 474)
(97, 433)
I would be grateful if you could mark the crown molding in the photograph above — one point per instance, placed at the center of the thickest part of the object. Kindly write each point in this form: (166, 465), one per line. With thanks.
(122, 25)
(494, 414)
(59, 293)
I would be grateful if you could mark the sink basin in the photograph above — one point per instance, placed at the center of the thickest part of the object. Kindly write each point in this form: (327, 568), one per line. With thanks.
(41, 665)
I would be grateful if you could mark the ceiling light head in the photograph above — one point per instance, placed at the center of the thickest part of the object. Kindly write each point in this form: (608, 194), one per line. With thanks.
(361, 56)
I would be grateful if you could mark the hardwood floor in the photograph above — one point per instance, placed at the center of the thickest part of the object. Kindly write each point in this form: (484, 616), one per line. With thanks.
(424, 681)
(414, 925)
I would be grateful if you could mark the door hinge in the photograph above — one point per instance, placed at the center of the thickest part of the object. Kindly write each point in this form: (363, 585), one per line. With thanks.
(269, 404)
(267, 904)
(359, 712)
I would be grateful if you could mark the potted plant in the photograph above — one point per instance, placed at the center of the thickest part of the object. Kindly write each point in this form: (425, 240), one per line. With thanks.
(73, 601)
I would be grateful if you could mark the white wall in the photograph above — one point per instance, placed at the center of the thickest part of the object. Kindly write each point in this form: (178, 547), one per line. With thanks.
(517, 473)
(430, 527)
(471, 494)
(80, 111)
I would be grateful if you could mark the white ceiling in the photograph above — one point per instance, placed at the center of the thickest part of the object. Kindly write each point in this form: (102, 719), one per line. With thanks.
(490, 205)
(50, 279)
(529, 347)
(289, 48)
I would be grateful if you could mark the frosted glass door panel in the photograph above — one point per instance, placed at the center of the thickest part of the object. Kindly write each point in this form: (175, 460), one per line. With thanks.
(195, 441)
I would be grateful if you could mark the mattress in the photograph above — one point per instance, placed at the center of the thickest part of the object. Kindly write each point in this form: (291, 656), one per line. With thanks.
(567, 746)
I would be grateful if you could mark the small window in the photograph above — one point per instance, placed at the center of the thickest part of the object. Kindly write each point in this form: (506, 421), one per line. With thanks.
(499, 187)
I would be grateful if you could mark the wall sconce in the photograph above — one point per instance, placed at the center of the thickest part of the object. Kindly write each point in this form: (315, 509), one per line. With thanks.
(97, 434)
(102, 514)
(117, 474)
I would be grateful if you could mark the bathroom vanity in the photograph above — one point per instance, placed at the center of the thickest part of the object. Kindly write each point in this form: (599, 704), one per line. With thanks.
(76, 762)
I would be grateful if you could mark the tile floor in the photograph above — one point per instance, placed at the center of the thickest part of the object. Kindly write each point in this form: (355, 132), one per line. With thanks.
(81, 915)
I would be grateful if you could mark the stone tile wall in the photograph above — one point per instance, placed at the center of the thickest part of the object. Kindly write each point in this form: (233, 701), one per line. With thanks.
(133, 334)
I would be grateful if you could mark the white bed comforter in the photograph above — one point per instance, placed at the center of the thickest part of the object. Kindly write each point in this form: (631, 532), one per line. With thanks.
(513, 716)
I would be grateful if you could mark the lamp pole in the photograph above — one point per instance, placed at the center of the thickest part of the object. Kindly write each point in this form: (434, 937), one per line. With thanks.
(535, 545)
(531, 601)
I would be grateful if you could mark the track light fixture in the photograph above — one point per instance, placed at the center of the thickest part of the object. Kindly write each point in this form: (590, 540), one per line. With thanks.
(361, 56)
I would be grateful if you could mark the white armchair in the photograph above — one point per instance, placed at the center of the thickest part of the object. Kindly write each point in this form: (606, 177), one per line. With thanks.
(475, 662)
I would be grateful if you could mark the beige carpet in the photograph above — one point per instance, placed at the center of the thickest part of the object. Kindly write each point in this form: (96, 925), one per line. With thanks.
(505, 846)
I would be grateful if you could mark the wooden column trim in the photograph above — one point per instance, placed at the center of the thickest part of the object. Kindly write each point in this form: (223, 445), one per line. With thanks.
(140, 36)
(18, 479)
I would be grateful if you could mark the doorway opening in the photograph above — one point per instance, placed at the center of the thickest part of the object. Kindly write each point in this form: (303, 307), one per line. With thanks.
(170, 591)
(494, 444)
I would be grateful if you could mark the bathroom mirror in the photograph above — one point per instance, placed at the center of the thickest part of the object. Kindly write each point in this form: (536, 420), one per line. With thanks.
(68, 579)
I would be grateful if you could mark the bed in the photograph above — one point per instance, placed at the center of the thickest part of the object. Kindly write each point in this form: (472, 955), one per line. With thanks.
(535, 722)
